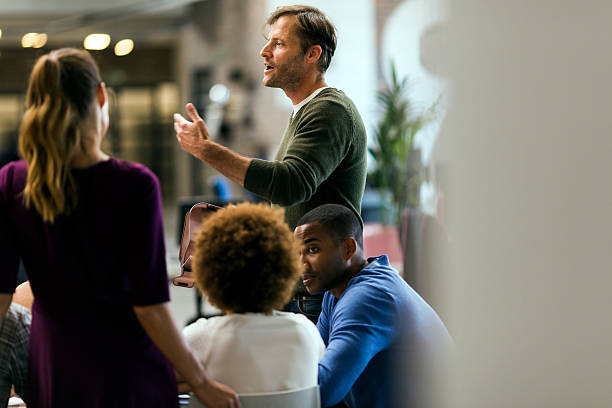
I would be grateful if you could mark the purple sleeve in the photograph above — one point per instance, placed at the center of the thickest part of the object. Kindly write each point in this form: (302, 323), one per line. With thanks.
(148, 275)
(9, 259)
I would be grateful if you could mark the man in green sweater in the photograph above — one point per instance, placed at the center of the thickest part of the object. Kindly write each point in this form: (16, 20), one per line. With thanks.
(322, 155)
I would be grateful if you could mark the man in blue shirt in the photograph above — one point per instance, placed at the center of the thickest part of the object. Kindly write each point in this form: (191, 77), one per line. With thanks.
(379, 333)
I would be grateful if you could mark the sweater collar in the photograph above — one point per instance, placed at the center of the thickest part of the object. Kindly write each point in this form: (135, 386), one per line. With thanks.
(296, 108)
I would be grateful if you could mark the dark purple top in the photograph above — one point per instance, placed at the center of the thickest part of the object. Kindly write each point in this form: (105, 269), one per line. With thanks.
(87, 270)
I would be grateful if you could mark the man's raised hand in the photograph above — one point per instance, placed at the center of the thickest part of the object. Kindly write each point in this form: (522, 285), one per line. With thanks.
(192, 136)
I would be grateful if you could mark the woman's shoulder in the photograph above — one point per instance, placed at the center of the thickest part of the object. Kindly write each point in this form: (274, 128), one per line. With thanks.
(201, 325)
(304, 331)
(296, 320)
(14, 167)
(285, 319)
(128, 173)
(131, 168)
(276, 318)
(13, 173)
(290, 316)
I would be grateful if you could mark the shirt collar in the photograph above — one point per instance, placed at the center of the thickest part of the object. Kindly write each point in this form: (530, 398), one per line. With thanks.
(296, 108)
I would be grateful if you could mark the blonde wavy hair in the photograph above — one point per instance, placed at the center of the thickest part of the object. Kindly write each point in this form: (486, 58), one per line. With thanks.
(59, 102)
(245, 259)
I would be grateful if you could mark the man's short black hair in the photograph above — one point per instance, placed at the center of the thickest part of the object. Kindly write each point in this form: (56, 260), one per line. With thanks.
(338, 220)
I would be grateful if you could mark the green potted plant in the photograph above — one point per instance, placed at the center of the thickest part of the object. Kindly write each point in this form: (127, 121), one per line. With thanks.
(397, 173)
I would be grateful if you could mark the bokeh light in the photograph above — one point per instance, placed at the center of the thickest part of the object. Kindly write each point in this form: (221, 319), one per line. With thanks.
(96, 41)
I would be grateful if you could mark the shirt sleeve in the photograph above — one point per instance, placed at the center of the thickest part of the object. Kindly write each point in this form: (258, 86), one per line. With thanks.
(9, 258)
(320, 143)
(362, 327)
(320, 344)
(149, 277)
(323, 321)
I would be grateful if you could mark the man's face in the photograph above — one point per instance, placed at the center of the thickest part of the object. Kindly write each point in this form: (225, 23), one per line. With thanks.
(321, 256)
(284, 59)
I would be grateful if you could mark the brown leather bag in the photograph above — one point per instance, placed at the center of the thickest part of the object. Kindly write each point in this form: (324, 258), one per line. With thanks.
(193, 220)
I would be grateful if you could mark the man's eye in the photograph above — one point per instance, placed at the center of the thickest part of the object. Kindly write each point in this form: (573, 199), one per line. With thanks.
(312, 250)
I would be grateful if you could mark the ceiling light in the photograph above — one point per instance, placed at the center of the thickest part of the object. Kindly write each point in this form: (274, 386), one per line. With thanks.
(0, 33)
(34, 40)
(124, 47)
(96, 41)
(41, 40)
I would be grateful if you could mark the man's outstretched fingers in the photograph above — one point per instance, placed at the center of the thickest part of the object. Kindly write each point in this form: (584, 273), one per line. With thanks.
(193, 113)
(199, 122)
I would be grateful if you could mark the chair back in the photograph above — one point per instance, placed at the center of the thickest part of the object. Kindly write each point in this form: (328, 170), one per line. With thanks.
(301, 398)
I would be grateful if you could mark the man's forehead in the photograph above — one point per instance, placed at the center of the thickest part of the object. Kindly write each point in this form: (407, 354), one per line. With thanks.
(282, 26)
(309, 231)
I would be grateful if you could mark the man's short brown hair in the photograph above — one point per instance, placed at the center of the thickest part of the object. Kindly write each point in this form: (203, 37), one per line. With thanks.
(313, 28)
(245, 259)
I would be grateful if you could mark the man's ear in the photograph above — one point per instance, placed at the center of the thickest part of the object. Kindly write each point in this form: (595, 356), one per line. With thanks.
(349, 247)
(313, 54)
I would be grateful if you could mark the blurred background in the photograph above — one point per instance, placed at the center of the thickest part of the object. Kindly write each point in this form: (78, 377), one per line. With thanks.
(155, 56)
(158, 55)
(494, 204)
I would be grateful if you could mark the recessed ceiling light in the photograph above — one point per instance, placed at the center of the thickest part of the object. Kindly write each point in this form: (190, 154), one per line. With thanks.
(96, 41)
(124, 47)
(33, 40)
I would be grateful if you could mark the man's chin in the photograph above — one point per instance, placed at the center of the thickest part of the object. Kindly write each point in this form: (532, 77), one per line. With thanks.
(313, 290)
(269, 82)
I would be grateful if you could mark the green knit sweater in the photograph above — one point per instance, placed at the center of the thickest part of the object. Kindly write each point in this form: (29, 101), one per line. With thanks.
(321, 159)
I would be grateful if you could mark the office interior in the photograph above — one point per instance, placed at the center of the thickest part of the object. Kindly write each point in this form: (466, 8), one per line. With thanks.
(516, 164)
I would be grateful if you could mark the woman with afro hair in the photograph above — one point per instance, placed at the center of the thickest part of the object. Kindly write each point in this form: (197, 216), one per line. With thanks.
(246, 262)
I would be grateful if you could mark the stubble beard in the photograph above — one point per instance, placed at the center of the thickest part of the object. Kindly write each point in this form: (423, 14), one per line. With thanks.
(287, 76)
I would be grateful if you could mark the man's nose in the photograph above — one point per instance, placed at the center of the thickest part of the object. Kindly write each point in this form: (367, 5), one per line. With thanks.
(264, 50)
(303, 259)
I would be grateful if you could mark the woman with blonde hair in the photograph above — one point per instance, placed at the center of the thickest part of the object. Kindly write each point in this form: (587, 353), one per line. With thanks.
(89, 230)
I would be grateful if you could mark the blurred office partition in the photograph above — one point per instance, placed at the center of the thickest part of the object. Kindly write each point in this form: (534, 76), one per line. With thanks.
(142, 130)
(526, 151)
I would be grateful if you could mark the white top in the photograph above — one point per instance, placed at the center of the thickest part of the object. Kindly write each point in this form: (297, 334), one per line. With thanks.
(309, 98)
(255, 353)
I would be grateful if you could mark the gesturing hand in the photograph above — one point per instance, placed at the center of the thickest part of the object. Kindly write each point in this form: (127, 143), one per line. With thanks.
(192, 136)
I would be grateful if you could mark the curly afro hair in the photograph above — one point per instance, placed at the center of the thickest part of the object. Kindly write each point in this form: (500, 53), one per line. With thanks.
(245, 259)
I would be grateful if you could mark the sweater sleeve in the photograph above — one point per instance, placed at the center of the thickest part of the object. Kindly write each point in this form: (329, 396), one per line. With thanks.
(9, 259)
(362, 327)
(320, 143)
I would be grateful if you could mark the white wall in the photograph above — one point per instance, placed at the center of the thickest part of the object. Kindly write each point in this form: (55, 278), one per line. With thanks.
(401, 42)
